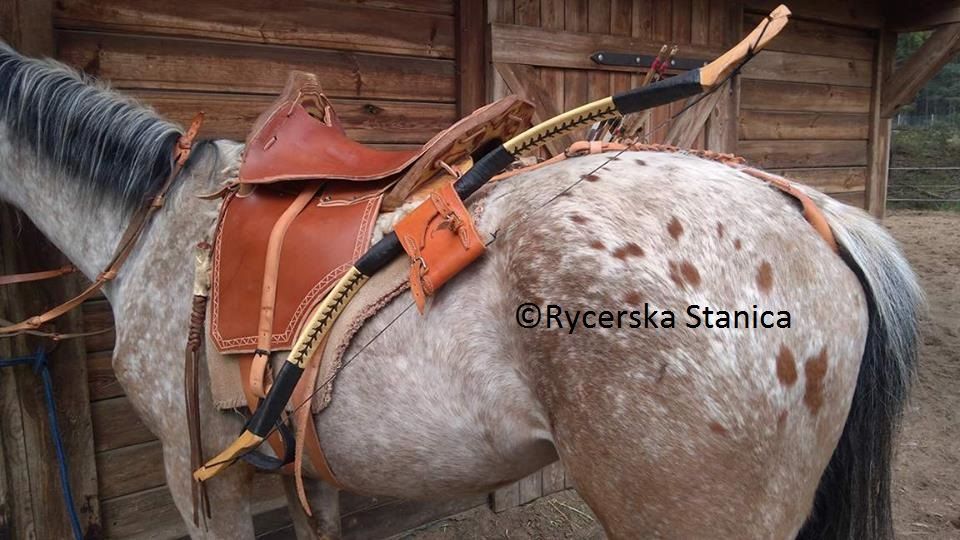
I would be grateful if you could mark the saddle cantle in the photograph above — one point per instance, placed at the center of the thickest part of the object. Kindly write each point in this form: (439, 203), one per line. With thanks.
(273, 262)
(301, 138)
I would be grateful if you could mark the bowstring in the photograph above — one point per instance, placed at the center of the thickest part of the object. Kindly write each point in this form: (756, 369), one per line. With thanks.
(751, 52)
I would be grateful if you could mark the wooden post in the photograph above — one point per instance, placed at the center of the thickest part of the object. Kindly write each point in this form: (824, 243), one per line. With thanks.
(30, 454)
(27, 25)
(471, 55)
(878, 144)
(901, 88)
(31, 502)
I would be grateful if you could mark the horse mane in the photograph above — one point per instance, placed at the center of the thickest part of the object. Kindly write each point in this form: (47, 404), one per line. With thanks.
(115, 147)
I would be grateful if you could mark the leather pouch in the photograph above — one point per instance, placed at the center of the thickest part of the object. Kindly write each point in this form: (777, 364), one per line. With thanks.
(441, 240)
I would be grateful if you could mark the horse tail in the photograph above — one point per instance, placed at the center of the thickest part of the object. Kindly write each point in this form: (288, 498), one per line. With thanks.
(853, 498)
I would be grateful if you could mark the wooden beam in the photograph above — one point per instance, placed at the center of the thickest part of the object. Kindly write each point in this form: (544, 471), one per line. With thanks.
(343, 26)
(856, 13)
(791, 97)
(915, 72)
(920, 15)
(143, 62)
(517, 44)
(878, 143)
(790, 154)
(471, 56)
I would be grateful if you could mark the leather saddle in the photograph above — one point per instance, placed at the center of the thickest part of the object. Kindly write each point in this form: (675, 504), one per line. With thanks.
(307, 201)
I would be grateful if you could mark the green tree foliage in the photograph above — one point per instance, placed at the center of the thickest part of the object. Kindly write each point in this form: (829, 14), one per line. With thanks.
(941, 96)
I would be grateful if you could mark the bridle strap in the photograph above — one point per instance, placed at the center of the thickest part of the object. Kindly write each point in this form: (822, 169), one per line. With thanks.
(27, 277)
(127, 242)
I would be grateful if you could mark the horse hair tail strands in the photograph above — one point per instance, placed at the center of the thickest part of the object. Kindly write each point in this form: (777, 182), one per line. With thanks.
(853, 500)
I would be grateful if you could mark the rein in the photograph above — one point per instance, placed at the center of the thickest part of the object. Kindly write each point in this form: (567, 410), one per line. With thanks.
(127, 242)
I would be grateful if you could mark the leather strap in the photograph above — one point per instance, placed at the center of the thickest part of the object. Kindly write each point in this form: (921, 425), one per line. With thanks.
(811, 212)
(260, 376)
(307, 438)
(191, 382)
(191, 377)
(127, 242)
(10, 279)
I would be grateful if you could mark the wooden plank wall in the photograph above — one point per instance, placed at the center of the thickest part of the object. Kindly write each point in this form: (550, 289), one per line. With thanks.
(389, 69)
(558, 37)
(805, 102)
(31, 503)
(231, 59)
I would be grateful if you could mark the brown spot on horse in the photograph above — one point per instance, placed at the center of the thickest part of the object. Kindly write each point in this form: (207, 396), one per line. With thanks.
(630, 249)
(675, 228)
(786, 367)
(815, 369)
(717, 428)
(633, 298)
(597, 244)
(720, 231)
(578, 219)
(591, 177)
(641, 162)
(737, 245)
(765, 277)
(690, 273)
(684, 273)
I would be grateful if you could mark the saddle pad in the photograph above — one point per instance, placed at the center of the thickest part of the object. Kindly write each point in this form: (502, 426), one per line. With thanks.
(319, 247)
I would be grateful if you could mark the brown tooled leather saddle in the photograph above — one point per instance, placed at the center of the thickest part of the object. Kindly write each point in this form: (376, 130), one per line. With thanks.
(304, 210)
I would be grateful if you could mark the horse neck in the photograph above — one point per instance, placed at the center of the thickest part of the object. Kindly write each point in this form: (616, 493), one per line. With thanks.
(85, 230)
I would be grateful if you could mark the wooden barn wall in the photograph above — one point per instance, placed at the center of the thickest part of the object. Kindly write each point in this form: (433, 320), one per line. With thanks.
(557, 37)
(805, 102)
(389, 69)
(803, 107)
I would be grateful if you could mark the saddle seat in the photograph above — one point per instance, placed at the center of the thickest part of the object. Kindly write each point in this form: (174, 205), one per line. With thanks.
(301, 138)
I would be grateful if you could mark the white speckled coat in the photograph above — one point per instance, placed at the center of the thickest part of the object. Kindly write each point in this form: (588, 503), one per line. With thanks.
(683, 432)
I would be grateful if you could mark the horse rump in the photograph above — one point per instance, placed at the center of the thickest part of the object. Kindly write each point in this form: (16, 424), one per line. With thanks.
(853, 499)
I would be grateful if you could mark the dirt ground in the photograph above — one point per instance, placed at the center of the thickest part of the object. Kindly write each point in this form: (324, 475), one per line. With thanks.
(927, 470)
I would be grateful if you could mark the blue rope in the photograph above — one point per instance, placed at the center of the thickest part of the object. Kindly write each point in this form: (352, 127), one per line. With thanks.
(39, 363)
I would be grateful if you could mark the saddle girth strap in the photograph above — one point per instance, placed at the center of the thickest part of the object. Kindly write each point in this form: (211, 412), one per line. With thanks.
(127, 242)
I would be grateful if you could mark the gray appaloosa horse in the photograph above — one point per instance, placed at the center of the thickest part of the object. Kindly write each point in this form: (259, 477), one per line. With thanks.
(691, 431)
